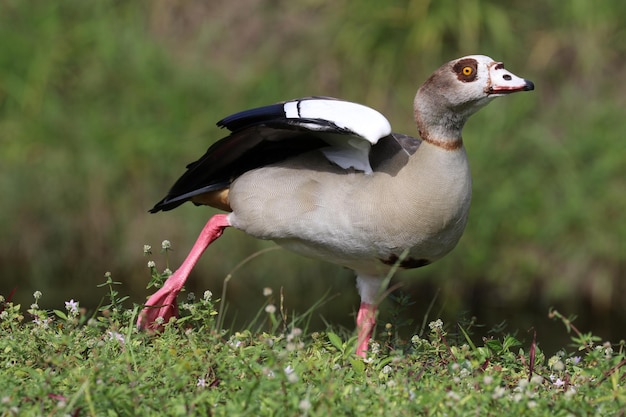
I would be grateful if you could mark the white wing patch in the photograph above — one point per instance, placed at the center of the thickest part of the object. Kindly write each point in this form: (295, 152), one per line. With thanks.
(360, 119)
(365, 122)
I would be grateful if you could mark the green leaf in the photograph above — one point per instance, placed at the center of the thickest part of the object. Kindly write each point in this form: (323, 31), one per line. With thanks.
(357, 365)
(60, 314)
(467, 338)
(509, 342)
(335, 340)
(494, 345)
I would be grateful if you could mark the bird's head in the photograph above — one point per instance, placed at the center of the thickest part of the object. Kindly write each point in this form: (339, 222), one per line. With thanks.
(461, 87)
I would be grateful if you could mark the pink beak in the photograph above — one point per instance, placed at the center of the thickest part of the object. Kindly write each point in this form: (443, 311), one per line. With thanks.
(504, 82)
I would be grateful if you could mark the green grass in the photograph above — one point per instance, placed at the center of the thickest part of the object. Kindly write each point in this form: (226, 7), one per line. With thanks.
(68, 362)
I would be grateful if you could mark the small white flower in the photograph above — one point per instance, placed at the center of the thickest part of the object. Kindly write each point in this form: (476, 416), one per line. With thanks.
(37, 294)
(532, 404)
(43, 323)
(165, 245)
(305, 405)
(570, 393)
(159, 320)
(151, 264)
(415, 340)
(147, 249)
(268, 372)
(191, 296)
(207, 295)
(498, 392)
(267, 291)
(270, 309)
(536, 379)
(453, 395)
(4, 315)
(235, 343)
(374, 348)
(291, 374)
(34, 306)
(116, 336)
(201, 383)
(487, 379)
(387, 369)
(575, 360)
(436, 325)
(167, 272)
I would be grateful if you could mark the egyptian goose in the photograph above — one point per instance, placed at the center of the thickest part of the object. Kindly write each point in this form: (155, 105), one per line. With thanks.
(328, 179)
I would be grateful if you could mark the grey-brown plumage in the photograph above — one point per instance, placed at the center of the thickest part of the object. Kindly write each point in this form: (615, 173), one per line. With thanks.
(328, 179)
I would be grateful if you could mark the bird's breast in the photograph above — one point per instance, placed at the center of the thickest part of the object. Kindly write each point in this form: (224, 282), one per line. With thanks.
(364, 222)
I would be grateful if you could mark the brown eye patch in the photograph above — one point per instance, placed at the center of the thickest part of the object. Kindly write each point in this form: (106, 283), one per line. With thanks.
(466, 69)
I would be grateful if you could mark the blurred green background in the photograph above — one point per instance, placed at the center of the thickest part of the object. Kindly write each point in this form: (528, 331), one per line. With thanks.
(103, 103)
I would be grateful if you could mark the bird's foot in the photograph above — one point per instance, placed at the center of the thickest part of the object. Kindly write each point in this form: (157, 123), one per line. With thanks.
(161, 306)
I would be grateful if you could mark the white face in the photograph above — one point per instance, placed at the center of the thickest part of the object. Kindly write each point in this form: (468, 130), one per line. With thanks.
(485, 77)
(476, 80)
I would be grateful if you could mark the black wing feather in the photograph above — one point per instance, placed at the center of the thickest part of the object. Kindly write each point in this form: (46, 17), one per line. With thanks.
(247, 118)
(247, 148)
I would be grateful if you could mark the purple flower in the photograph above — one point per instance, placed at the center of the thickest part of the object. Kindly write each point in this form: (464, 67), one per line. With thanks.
(72, 307)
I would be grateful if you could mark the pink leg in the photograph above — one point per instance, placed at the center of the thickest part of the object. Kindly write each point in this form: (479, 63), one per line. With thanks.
(365, 322)
(163, 302)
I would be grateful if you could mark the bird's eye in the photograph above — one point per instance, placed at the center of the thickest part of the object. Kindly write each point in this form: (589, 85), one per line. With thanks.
(467, 71)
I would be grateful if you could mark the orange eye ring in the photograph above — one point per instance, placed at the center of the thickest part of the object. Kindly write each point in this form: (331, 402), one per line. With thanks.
(467, 71)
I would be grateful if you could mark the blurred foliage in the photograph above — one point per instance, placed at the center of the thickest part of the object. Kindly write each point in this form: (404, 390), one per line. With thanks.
(103, 103)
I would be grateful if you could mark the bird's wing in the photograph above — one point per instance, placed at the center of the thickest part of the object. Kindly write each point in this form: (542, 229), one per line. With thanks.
(344, 131)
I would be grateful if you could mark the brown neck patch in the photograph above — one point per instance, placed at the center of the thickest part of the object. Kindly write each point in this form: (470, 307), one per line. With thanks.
(445, 144)
(449, 145)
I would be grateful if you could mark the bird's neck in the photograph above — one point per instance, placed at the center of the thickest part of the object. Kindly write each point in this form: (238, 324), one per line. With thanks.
(437, 124)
